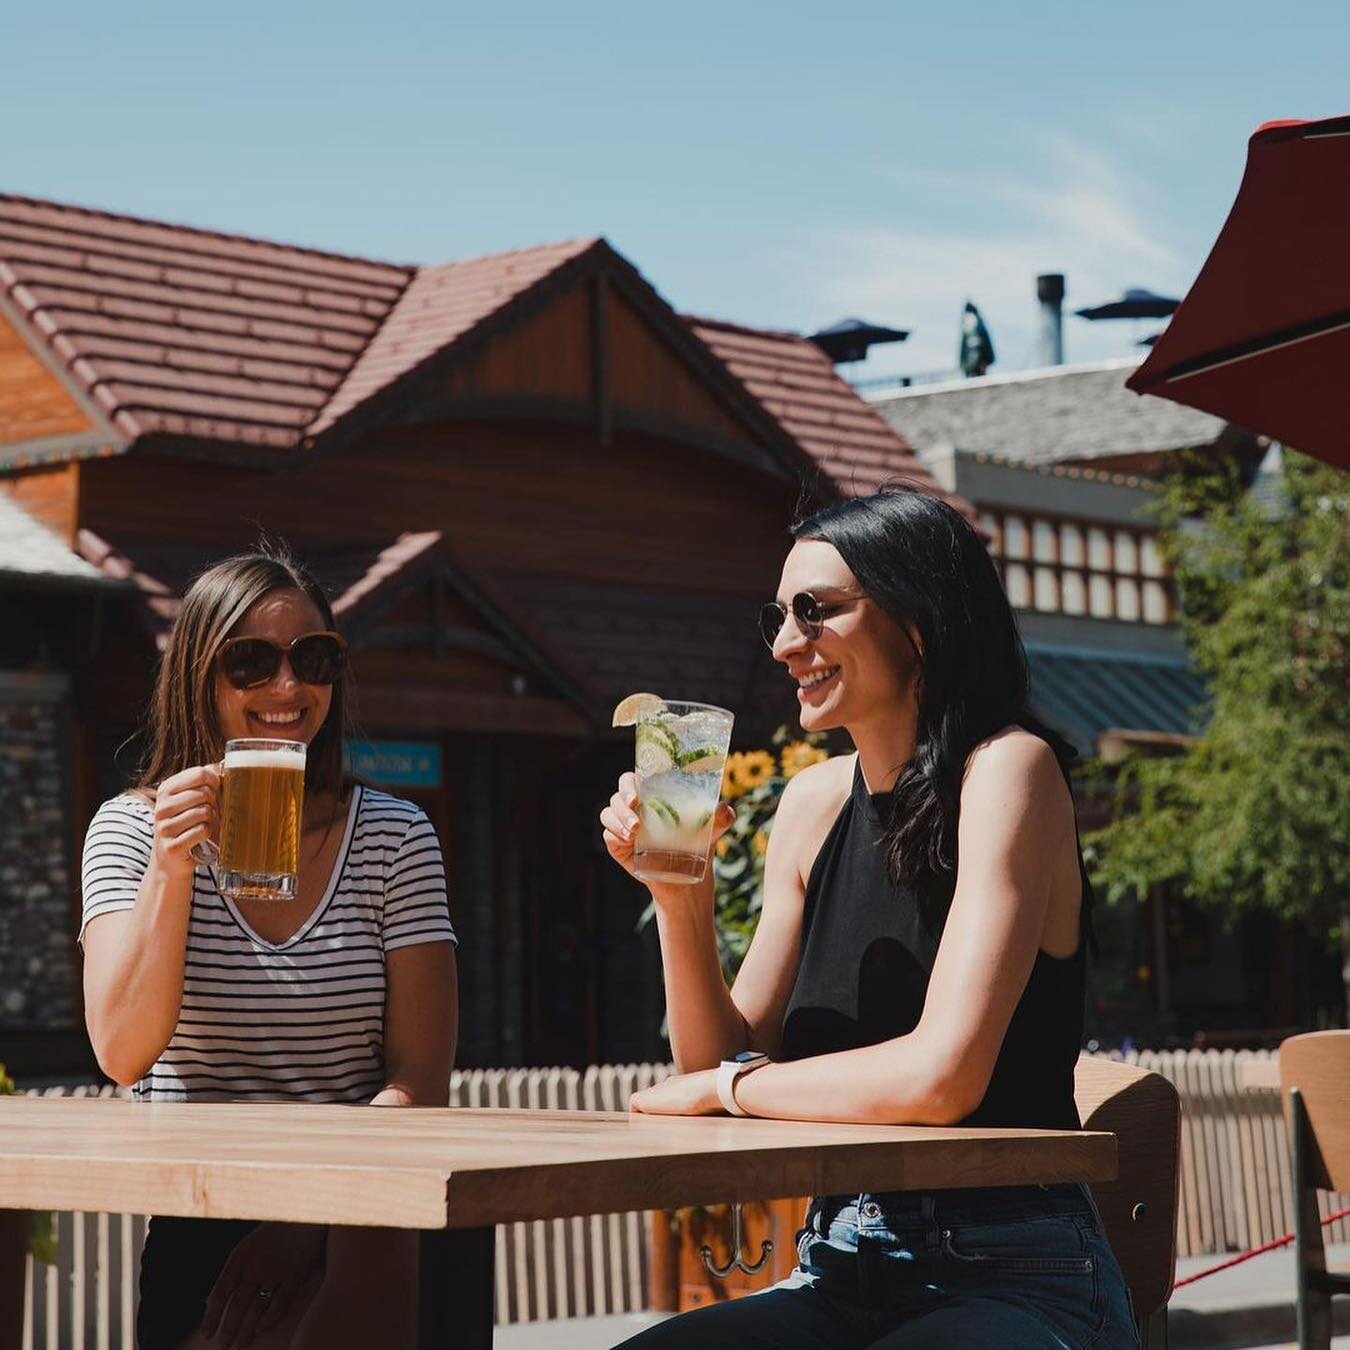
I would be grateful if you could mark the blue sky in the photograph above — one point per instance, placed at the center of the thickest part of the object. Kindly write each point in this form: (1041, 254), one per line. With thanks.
(779, 164)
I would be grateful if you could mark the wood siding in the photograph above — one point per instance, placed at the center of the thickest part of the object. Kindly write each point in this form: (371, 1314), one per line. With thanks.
(527, 497)
(49, 495)
(33, 401)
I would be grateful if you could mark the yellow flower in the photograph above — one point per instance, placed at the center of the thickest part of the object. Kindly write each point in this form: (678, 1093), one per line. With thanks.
(760, 843)
(756, 767)
(732, 786)
(723, 846)
(798, 755)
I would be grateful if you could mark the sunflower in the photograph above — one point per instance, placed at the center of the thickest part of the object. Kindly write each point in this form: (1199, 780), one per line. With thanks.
(760, 843)
(732, 786)
(756, 767)
(799, 755)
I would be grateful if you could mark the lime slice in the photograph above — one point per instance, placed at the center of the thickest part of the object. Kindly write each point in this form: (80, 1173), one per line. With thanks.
(656, 749)
(700, 761)
(703, 820)
(662, 809)
(634, 707)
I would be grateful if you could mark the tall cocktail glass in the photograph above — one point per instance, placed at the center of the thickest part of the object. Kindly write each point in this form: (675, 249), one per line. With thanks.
(681, 750)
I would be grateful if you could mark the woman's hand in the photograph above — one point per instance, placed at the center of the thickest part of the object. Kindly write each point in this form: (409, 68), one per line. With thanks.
(682, 1094)
(186, 813)
(621, 824)
(261, 1279)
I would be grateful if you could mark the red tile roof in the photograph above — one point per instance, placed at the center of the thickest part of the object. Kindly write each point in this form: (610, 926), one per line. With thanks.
(439, 306)
(799, 385)
(181, 330)
(235, 340)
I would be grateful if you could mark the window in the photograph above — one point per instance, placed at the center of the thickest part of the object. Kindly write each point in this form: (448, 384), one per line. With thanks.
(1014, 537)
(1047, 589)
(1071, 545)
(1127, 552)
(1155, 602)
(989, 524)
(1099, 550)
(1018, 586)
(1073, 593)
(1099, 597)
(1043, 541)
(1127, 599)
(1150, 560)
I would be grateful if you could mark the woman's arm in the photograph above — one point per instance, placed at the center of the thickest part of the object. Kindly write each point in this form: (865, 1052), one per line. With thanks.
(1016, 823)
(133, 957)
(421, 1025)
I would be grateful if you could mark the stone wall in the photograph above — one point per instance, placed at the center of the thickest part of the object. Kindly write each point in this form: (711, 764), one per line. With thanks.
(37, 967)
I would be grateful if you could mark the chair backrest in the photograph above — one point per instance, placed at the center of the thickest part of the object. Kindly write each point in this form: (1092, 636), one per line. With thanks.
(1139, 1208)
(1318, 1064)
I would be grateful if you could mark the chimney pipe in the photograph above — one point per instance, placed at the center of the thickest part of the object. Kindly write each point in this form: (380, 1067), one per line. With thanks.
(1050, 292)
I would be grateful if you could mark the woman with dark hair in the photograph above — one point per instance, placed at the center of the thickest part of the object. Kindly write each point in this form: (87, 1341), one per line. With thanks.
(919, 957)
(344, 993)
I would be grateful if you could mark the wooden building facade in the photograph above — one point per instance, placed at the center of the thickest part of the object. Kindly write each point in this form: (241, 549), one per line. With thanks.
(528, 483)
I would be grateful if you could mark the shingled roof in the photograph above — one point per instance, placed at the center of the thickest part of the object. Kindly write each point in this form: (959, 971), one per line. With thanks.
(230, 341)
(799, 385)
(1061, 414)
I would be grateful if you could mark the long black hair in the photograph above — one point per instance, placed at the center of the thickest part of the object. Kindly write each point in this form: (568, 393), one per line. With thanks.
(925, 566)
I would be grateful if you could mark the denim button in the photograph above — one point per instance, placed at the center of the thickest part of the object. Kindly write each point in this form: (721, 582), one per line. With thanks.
(871, 1210)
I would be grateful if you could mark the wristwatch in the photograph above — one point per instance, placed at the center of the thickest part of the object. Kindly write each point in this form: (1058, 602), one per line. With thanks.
(730, 1070)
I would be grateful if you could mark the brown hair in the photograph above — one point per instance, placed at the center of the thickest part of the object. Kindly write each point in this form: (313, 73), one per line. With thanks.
(183, 729)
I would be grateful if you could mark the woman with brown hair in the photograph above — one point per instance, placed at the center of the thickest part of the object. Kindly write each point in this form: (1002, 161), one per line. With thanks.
(345, 993)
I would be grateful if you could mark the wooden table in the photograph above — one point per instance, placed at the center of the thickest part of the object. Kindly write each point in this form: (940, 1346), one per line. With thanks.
(468, 1169)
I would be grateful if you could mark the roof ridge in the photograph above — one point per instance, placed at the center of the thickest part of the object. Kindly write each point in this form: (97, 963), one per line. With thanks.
(581, 243)
(731, 326)
(234, 237)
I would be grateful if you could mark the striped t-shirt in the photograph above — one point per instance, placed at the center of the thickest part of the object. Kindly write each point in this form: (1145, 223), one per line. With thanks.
(300, 1019)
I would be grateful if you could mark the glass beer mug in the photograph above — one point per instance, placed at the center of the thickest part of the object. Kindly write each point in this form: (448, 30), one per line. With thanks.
(261, 807)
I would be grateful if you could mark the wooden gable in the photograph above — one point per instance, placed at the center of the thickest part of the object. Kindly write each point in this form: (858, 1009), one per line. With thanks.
(597, 348)
(35, 404)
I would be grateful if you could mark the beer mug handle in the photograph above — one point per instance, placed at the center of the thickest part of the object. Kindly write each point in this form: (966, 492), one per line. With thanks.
(207, 852)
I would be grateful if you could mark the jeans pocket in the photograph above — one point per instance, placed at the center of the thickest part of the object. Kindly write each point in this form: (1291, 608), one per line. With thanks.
(1050, 1246)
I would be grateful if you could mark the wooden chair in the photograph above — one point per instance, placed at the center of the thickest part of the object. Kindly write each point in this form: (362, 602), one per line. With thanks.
(1315, 1085)
(1139, 1208)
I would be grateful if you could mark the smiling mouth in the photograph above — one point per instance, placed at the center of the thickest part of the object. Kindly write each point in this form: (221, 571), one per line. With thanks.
(812, 681)
(280, 719)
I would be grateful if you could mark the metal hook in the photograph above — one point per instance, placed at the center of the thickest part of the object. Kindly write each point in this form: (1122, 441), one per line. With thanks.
(737, 1262)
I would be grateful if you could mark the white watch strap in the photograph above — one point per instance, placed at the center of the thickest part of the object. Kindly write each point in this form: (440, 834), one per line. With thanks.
(727, 1073)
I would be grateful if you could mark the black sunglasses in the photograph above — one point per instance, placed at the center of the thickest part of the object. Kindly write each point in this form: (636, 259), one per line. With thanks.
(316, 658)
(807, 612)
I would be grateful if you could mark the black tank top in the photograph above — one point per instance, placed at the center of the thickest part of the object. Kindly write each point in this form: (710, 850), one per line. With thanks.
(867, 953)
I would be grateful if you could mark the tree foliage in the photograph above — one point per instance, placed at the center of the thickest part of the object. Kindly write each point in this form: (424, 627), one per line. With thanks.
(1255, 813)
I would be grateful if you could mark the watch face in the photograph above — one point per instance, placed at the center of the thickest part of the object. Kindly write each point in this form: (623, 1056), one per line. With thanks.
(748, 1056)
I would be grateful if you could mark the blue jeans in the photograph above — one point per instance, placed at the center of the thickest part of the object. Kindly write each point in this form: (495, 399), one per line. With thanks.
(1018, 1268)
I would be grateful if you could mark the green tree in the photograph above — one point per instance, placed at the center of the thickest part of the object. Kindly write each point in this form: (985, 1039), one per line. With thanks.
(1254, 814)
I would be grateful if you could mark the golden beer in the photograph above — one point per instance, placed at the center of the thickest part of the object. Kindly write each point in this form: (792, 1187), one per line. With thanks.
(262, 801)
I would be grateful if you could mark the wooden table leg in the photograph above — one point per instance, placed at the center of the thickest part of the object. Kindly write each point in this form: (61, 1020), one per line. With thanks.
(455, 1289)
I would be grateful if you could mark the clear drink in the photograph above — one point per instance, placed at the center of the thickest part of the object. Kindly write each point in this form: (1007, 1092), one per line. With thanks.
(262, 804)
(681, 750)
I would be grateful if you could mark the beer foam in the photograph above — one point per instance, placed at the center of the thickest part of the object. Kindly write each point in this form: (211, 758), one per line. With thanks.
(265, 759)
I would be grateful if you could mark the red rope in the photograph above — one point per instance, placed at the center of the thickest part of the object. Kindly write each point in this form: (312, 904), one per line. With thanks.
(1255, 1251)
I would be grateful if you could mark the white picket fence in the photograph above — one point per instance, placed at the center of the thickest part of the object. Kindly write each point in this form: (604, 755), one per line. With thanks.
(1234, 1195)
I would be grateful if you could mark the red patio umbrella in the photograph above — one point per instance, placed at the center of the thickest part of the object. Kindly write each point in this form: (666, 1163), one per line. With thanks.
(1262, 338)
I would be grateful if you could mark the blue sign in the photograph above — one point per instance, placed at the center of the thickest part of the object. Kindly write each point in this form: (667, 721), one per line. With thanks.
(396, 763)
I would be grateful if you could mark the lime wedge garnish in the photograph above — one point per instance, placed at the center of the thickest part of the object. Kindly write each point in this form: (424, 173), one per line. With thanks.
(703, 820)
(700, 761)
(662, 809)
(635, 706)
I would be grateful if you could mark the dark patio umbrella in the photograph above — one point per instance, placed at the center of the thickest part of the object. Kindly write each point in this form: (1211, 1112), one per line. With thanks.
(1262, 338)
(1136, 303)
(849, 339)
